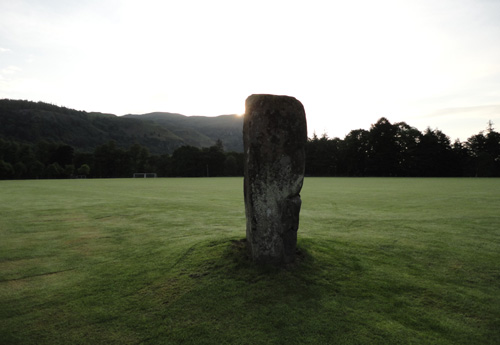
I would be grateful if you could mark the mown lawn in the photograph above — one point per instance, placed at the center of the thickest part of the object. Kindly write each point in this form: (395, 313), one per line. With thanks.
(160, 261)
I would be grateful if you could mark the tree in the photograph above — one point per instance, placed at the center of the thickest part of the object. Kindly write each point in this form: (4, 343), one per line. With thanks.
(69, 170)
(219, 145)
(214, 158)
(407, 139)
(109, 161)
(434, 155)
(187, 161)
(10, 152)
(322, 156)
(230, 166)
(463, 159)
(54, 170)
(84, 170)
(43, 152)
(493, 149)
(6, 170)
(163, 165)
(354, 153)
(383, 149)
(485, 152)
(36, 169)
(138, 158)
(20, 170)
(63, 155)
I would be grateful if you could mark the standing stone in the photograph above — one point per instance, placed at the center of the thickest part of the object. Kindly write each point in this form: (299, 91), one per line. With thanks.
(274, 138)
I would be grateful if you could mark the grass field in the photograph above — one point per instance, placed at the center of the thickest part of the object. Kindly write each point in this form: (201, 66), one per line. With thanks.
(159, 261)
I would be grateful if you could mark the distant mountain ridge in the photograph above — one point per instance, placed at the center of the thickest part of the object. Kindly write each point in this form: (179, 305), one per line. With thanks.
(160, 132)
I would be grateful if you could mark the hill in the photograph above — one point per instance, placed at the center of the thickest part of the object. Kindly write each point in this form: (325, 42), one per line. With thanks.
(31, 122)
(200, 131)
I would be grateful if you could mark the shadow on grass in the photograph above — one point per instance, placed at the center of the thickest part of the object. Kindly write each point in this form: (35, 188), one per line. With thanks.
(218, 293)
(212, 293)
(333, 294)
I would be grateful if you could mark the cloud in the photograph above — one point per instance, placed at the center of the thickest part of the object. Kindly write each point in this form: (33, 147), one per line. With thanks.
(6, 77)
(460, 122)
(4, 50)
(481, 111)
(10, 70)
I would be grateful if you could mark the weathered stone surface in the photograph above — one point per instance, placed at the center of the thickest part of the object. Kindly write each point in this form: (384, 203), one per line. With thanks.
(274, 138)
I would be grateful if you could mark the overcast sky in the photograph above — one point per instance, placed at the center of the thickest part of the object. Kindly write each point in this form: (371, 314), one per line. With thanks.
(428, 63)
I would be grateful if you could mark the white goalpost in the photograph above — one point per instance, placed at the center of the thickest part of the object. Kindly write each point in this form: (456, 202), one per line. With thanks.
(145, 175)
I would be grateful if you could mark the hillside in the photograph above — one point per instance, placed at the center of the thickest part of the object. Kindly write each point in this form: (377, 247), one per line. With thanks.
(200, 130)
(31, 122)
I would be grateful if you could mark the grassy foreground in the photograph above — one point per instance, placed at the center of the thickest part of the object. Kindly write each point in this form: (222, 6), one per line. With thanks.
(158, 261)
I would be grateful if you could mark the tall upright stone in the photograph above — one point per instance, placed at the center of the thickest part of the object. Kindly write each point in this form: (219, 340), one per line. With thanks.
(274, 138)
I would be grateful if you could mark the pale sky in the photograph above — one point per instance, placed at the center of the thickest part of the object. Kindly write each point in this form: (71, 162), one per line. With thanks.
(429, 63)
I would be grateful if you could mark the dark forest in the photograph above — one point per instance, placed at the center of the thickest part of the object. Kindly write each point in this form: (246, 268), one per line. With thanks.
(385, 150)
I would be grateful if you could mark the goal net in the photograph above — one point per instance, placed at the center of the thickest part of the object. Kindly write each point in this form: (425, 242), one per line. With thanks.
(144, 175)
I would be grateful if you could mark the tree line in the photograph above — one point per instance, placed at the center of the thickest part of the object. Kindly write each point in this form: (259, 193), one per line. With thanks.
(398, 149)
(50, 160)
(384, 150)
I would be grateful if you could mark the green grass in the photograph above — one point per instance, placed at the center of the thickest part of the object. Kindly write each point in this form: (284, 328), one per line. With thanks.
(159, 261)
